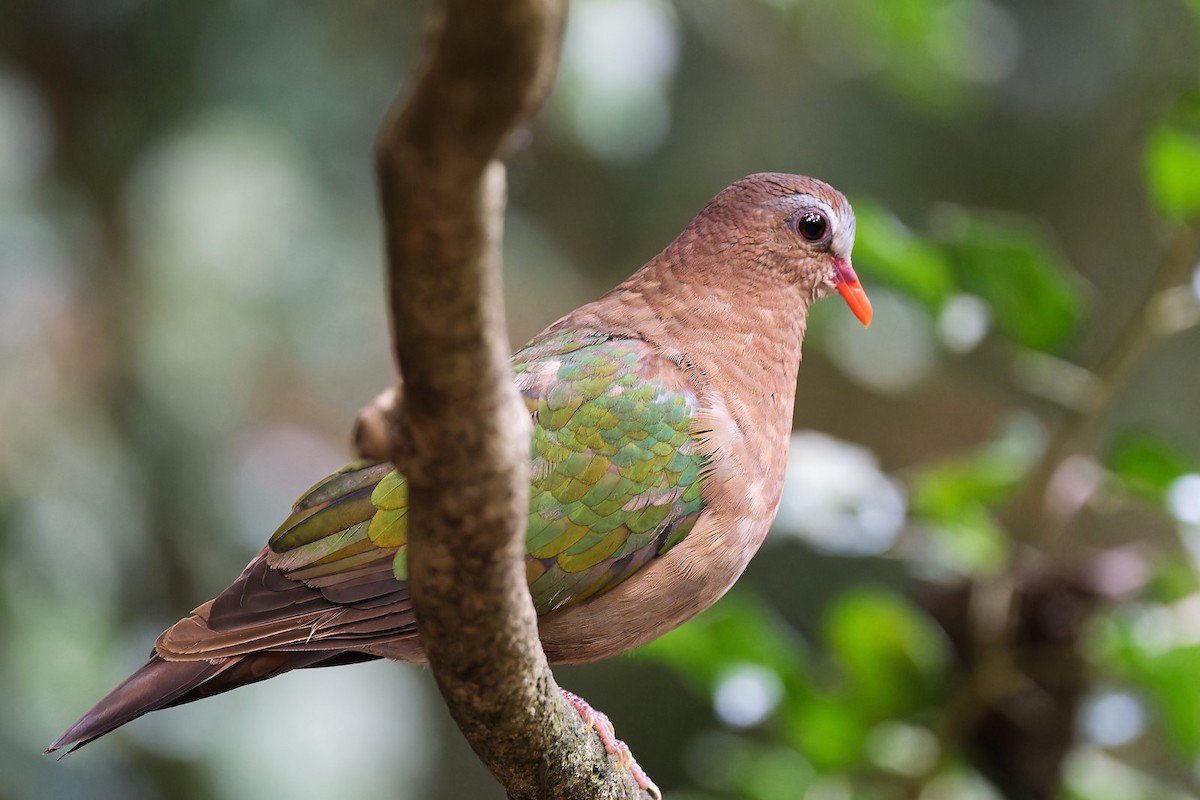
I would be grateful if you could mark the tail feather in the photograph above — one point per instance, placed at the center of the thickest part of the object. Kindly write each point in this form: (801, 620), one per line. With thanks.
(156, 684)
(161, 684)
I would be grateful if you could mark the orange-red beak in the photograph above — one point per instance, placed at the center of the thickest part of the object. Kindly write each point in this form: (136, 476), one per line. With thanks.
(852, 291)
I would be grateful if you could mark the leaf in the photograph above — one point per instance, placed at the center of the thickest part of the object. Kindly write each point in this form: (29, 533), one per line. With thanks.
(943, 491)
(1147, 464)
(739, 629)
(899, 33)
(1163, 667)
(1172, 162)
(771, 771)
(987, 476)
(953, 499)
(1173, 580)
(829, 731)
(886, 249)
(893, 655)
(973, 543)
(1035, 297)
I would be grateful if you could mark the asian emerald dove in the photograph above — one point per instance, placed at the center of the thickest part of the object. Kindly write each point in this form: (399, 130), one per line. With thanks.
(661, 418)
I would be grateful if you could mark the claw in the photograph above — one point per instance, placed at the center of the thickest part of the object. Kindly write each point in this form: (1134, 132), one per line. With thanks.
(600, 723)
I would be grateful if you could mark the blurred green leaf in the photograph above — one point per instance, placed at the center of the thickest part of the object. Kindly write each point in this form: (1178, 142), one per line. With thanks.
(892, 661)
(737, 630)
(985, 476)
(1172, 159)
(893, 655)
(1145, 650)
(900, 32)
(973, 543)
(886, 249)
(773, 773)
(1147, 464)
(953, 498)
(944, 490)
(1032, 292)
(830, 731)
(1173, 579)
(904, 22)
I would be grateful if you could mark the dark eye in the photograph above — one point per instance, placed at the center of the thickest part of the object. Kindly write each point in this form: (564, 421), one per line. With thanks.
(812, 225)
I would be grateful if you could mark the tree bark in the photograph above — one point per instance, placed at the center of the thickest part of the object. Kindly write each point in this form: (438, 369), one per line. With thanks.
(461, 433)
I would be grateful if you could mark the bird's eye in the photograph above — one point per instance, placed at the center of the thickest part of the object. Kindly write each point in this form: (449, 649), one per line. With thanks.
(812, 225)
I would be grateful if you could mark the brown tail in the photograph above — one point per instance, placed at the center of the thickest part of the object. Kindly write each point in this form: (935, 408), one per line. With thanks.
(161, 684)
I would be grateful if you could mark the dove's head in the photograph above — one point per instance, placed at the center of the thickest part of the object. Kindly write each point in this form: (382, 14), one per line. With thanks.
(798, 230)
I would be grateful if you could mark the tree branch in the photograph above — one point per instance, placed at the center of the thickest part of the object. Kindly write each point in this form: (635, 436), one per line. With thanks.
(461, 433)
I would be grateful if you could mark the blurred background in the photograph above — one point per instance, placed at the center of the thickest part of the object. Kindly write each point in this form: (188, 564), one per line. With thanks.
(191, 315)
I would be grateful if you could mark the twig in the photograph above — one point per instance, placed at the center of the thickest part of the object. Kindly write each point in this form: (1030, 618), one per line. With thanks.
(1030, 517)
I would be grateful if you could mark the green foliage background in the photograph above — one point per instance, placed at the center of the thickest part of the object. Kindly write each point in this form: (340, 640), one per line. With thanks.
(191, 315)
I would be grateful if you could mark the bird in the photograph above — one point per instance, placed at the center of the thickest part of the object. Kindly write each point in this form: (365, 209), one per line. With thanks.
(661, 416)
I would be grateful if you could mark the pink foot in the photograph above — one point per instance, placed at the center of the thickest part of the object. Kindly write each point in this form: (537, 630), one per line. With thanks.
(598, 722)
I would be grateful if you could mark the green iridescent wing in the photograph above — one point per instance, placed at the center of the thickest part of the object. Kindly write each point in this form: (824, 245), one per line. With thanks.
(616, 479)
(616, 473)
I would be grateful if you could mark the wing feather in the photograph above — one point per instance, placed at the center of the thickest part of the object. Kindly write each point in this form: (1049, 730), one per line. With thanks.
(616, 482)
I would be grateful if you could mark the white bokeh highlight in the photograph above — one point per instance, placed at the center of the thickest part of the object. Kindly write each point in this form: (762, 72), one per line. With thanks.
(836, 498)
(963, 322)
(895, 355)
(1112, 719)
(619, 57)
(1183, 499)
(902, 748)
(747, 695)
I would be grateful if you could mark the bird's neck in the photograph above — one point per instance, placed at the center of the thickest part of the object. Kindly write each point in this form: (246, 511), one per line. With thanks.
(740, 328)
